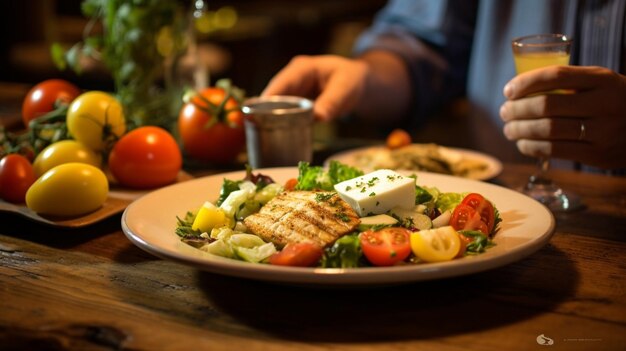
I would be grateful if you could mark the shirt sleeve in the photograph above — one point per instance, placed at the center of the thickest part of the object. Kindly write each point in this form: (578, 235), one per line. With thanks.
(434, 39)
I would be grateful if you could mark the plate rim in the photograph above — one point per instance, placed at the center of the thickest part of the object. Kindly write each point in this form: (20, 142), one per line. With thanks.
(329, 276)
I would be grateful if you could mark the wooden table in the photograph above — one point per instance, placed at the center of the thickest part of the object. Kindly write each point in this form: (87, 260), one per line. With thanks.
(91, 289)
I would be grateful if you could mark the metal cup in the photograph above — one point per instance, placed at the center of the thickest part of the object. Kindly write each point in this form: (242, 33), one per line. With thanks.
(278, 130)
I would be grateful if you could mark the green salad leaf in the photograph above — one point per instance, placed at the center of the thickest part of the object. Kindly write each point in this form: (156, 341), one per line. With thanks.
(480, 242)
(422, 195)
(315, 177)
(345, 253)
(228, 186)
(448, 201)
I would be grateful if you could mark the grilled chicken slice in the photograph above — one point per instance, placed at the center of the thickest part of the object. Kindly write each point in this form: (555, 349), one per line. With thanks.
(318, 217)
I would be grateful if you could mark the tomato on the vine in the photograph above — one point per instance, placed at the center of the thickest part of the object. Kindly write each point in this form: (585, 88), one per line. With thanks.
(96, 119)
(45, 97)
(16, 176)
(211, 130)
(386, 246)
(146, 157)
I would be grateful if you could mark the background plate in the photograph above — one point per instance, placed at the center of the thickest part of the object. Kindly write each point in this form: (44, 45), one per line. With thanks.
(149, 223)
(493, 165)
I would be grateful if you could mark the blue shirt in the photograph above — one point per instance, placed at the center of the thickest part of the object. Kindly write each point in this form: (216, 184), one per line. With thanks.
(462, 47)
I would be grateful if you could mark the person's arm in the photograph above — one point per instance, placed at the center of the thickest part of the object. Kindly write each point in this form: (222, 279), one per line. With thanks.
(413, 59)
(388, 90)
(373, 85)
(433, 39)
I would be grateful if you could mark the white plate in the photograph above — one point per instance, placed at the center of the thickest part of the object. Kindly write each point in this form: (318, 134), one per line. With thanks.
(492, 169)
(149, 223)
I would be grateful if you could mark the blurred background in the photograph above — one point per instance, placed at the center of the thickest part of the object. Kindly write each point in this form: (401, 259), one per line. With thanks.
(249, 40)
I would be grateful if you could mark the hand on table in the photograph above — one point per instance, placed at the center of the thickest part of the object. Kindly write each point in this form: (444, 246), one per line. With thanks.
(586, 124)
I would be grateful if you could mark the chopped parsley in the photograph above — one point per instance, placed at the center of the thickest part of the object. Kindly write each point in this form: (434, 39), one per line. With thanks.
(319, 197)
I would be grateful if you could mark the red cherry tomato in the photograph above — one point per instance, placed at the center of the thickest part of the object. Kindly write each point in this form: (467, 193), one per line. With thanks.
(16, 176)
(291, 184)
(386, 246)
(146, 157)
(42, 97)
(483, 207)
(299, 254)
(208, 136)
(465, 217)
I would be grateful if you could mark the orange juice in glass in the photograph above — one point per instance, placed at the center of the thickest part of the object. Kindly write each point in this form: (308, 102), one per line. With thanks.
(530, 61)
(541, 50)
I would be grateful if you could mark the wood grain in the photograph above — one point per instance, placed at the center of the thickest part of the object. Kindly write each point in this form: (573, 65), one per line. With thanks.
(90, 288)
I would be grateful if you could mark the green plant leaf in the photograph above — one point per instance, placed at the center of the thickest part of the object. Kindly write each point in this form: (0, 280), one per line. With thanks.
(57, 52)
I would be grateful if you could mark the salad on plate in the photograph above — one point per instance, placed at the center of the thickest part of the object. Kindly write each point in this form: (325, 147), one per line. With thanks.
(339, 217)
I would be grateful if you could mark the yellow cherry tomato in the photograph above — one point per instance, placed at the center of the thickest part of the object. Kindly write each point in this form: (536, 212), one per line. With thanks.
(209, 217)
(436, 245)
(70, 189)
(96, 119)
(65, 151)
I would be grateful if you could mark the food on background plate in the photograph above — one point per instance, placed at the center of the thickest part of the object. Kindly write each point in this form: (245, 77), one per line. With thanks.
(397, 139)
(256, 220)
(419, 157)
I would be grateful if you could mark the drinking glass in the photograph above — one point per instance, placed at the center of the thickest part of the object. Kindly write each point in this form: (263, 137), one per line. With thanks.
(531, 52)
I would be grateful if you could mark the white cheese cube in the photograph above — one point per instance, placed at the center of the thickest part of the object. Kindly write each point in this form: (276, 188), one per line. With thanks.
(378, 192)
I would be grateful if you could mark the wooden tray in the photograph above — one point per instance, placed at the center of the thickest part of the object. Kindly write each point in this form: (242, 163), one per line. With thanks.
(117, 201)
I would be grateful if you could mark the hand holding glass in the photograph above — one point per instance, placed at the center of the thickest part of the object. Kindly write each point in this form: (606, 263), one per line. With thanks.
(532, 52)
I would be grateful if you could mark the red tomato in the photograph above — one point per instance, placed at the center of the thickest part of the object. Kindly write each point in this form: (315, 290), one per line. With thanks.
(16, 176)
(386, 246)
(208, 133)
(146, 157)
(465, 217)
(291, 184)
(300, 255)
(42, 97)
(465, 241)
(398, 138)
(483, 207)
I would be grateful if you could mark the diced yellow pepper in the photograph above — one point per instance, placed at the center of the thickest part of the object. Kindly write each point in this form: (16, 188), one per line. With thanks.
(209, 217)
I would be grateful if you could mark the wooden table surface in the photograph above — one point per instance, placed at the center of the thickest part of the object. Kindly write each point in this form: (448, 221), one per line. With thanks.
(92, 289)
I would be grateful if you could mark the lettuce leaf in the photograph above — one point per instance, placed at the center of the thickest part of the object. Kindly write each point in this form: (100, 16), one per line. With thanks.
(315, 177)
(448, 201)
(345, 253)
